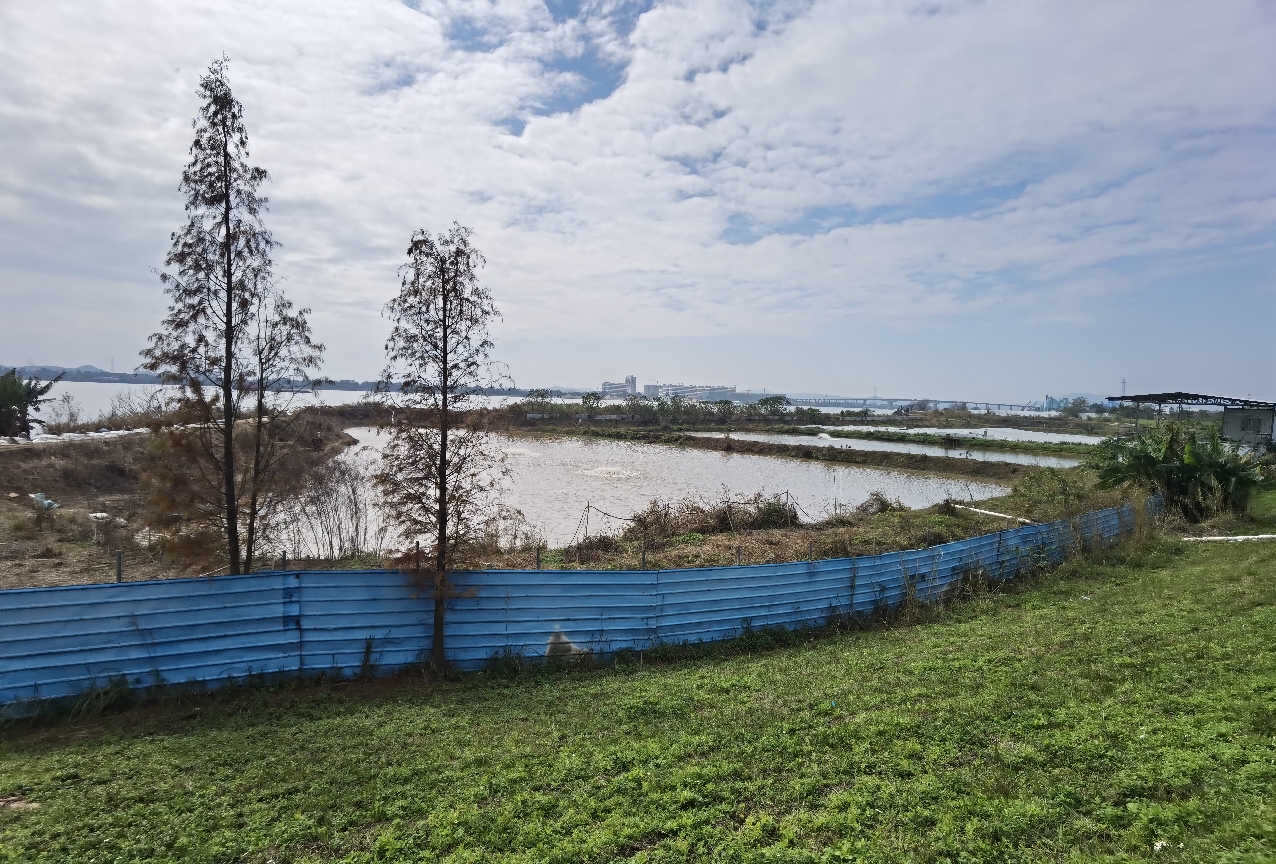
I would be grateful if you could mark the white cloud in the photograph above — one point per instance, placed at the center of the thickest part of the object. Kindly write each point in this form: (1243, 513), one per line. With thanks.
(760, 168)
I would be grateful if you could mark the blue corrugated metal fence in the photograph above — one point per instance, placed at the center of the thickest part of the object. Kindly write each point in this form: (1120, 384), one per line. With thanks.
(57, 642)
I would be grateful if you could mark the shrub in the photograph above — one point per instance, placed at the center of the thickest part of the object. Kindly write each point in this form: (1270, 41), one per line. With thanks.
(877, 502)
(665, 520)
(1197, 476)
(1050, 494)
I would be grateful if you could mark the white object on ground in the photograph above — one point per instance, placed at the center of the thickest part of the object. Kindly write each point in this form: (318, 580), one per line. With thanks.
(1018, 519)
(44, 502)
(1238, 538)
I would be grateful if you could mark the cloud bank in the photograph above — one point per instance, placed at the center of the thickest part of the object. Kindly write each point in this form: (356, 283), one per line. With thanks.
(745, 177)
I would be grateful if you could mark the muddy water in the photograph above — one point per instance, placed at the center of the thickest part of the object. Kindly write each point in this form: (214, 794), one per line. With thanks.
(826, 440)
(552, 479)
(997, 433)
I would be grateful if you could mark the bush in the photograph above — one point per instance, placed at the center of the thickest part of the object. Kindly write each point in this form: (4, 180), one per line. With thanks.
(664, 520)
(877, 502)
(1050, 494)
(1197, 476)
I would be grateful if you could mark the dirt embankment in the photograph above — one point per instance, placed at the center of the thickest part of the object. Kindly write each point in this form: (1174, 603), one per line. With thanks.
(65, 546)
(68, 545)
(966, 469)
(852, 534)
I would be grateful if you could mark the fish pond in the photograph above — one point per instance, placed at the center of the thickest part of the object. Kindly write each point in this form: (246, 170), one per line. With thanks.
(552, 480)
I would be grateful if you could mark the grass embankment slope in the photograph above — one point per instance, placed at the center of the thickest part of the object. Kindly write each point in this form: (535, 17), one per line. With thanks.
(1096, 713)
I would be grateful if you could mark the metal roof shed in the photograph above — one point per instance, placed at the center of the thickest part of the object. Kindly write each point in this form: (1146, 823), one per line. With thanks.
(1245, 421)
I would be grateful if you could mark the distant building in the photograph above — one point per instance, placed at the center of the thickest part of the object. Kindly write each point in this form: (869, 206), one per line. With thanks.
(690, 392)
(630, 387)
(715, 394)
(1250, 426)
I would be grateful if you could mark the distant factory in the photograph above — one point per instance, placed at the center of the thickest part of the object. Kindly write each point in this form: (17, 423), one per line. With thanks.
(628, 388)
(690, 392)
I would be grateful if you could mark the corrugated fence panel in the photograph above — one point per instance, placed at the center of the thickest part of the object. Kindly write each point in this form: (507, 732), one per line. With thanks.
(63, 641)
(60, 641)
(714, 603)
(524, 611)
(345, 613)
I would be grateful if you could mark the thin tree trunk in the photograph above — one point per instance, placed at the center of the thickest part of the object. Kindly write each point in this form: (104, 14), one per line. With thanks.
(228, 414)
(438, 658)
(252, 501)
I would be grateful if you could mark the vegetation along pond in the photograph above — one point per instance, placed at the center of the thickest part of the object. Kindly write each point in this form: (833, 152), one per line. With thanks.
(552, 479)
(996, 433)
(825, 440)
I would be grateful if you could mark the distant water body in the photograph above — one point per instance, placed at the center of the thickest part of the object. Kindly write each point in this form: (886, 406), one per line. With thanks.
(998, 433)
(552, 479)
(93, 399)
(979, 455)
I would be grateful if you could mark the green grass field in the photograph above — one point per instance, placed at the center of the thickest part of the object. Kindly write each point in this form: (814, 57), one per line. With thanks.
(1114, 711)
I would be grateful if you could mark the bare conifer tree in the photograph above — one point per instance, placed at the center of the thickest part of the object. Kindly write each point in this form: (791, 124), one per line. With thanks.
(229, 334)
(439, 471)
(282, 355)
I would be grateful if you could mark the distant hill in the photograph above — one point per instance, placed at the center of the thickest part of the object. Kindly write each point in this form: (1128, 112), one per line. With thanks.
(93, 374)
(83, 373)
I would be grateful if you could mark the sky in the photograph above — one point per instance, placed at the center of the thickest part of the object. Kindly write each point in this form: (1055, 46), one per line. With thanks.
(975, 200)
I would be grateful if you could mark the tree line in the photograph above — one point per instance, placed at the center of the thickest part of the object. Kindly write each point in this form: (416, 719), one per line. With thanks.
(544, 405)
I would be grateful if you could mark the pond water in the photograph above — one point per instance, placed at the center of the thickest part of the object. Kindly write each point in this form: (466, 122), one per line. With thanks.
(553, 479)
(825, 440)
(997, 433)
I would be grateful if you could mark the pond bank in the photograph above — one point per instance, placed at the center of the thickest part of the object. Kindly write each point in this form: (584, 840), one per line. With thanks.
(918, 463)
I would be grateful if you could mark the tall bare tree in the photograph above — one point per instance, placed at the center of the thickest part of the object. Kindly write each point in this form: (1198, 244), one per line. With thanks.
(229, 334)
(439, 471)
(282, 356)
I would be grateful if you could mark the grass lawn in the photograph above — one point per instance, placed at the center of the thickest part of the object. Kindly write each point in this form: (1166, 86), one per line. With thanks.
(1116, 711)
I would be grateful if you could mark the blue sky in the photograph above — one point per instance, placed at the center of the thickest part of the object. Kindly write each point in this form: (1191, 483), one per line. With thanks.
(984, 200)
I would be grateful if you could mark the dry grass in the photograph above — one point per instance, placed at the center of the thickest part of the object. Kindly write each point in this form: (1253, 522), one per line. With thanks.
(64, 546)
(845, 536)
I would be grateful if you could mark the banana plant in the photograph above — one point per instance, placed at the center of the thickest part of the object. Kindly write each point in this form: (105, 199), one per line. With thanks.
(1199, 476)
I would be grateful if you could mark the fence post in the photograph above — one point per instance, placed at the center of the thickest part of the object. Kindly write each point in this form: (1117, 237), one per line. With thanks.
(119, 565)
